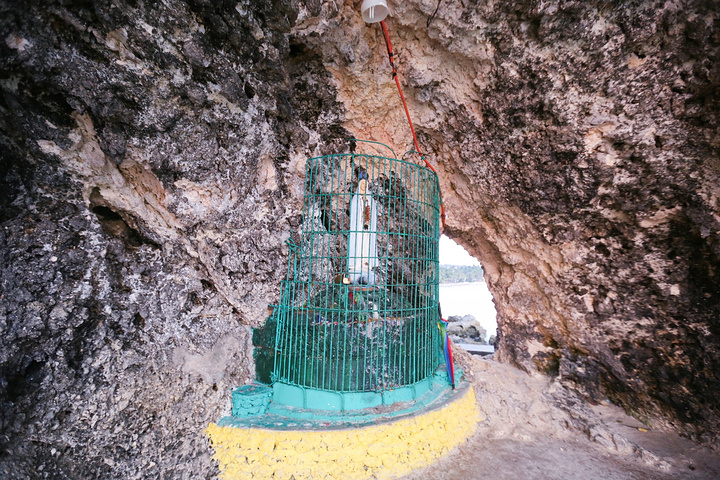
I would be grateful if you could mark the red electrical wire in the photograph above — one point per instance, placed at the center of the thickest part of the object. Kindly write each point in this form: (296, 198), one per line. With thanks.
(397, 82)
(388, 44)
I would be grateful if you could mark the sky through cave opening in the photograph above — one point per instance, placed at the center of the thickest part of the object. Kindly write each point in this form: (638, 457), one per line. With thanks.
(465, 298)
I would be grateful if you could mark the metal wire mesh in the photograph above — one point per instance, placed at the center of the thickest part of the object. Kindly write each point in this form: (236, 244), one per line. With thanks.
(359, 309)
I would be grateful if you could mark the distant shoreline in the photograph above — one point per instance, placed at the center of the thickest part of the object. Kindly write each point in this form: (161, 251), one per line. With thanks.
(460, 284)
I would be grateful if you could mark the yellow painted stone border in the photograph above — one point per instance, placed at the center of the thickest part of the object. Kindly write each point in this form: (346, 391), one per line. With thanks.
(380, 451)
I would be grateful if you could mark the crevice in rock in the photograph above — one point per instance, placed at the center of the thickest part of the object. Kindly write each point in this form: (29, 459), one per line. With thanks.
(114, 224)
(24, 381)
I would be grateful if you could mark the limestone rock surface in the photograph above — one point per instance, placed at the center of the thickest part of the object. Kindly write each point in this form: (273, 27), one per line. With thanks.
(151, 168)
(466, 329)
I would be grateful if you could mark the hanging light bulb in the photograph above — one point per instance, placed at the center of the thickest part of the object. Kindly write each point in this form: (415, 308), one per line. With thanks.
(374, 11)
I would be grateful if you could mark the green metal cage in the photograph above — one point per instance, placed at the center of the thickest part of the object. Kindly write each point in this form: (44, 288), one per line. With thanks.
(359, 308)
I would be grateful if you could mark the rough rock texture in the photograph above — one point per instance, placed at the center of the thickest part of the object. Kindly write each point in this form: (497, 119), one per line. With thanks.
(151, 168)
(466, 329)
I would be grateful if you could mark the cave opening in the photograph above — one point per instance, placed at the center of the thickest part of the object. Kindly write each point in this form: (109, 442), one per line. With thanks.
(463, 292)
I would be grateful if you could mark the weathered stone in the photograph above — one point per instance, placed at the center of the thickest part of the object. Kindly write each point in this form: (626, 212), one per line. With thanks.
(152, 168)
(466, 329)
(150, 171)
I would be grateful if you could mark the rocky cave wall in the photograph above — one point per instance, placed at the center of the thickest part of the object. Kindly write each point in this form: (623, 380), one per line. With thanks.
(152, 168)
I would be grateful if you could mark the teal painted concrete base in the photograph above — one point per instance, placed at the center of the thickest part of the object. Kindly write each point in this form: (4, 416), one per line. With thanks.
(250, 400)
(293, 407)
(281, 417)
(315, 399)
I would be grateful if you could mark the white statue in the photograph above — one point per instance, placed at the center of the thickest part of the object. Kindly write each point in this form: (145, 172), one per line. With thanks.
(362, 241)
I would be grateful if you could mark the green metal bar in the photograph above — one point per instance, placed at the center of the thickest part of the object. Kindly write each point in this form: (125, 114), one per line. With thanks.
(422, 157)
(376, 143)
